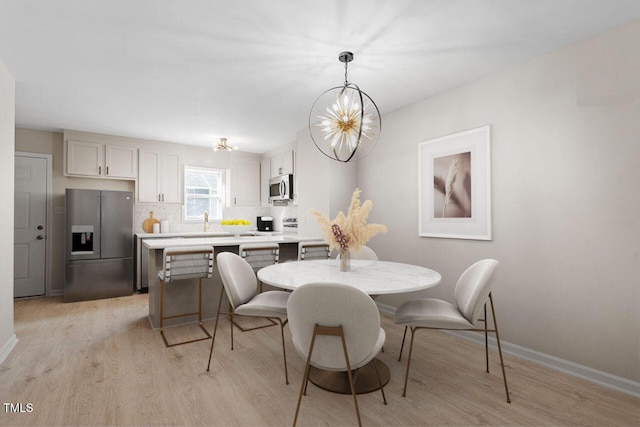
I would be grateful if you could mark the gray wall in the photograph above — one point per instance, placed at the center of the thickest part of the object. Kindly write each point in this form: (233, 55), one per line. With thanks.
(7, 123)
(323, 184)
(566, 206)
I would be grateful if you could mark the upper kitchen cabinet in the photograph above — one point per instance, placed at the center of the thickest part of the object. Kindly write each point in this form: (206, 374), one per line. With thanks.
(245, 182)
(265, 175)
(97, 160)
(160, 180)
(282, 164)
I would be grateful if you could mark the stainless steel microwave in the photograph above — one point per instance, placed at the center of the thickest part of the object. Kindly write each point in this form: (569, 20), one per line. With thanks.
(281, 188)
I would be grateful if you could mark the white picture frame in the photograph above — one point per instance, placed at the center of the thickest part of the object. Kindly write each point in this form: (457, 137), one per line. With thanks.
(454, 185)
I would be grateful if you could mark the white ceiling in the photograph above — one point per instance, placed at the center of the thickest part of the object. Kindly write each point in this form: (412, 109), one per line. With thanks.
(192, 71)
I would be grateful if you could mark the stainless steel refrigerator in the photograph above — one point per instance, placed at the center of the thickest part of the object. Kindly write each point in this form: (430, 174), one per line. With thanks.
(99, 244)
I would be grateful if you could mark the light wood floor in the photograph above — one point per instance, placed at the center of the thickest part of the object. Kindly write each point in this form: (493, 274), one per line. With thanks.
(99, 363)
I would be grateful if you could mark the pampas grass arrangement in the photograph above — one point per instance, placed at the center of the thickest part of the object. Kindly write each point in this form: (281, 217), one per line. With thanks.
(351, 231)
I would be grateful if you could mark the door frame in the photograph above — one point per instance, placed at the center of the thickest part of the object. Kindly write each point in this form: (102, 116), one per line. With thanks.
(49, 213)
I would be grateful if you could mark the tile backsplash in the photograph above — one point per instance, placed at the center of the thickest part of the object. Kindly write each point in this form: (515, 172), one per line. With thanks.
(173, 213)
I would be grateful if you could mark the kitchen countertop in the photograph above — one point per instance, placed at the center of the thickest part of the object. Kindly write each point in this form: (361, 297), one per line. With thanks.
(182, 234)
(220, 240)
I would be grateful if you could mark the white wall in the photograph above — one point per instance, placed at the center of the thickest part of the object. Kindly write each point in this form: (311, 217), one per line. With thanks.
(566, 206)
(7, 123)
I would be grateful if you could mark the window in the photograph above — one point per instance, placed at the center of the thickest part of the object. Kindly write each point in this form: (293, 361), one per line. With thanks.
(203, 191)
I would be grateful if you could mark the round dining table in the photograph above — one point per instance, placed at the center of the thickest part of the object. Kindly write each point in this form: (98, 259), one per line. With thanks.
(372, 277)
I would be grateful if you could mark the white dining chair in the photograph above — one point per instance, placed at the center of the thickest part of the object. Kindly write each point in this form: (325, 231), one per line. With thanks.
(471, 294)
(179, 264)
(241, 286)
(365, 252)
(335, 327)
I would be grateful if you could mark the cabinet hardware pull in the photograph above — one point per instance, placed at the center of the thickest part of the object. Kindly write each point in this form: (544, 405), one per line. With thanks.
(107, 170)
(163, 197)
(99, 170)
(40, 237)
(159, 197)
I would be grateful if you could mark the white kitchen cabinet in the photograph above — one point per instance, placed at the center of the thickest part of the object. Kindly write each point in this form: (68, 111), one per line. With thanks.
(245, 182)
(282, 164)
(98, 160)
(121, 162)
(265, 175)
(159, 180)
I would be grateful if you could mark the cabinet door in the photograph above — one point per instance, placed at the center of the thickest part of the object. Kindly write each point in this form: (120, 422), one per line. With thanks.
(85, 158)
(287, 163)
(265, 175)
(171, 187)
(149, 176)
(245, 183)
(282, 164)
(276, 166)
(121, 162)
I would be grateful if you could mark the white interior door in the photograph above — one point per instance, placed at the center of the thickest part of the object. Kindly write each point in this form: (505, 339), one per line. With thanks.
(30, 223)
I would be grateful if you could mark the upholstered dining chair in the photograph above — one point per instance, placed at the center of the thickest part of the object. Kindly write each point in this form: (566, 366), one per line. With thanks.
(365, 252)
(241, 286)
(471, 294)
(178, 264)
(335, 327)
(313, 250)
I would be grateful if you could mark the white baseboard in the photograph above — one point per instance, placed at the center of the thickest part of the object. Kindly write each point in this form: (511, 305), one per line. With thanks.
(7, 347)
(593, 375)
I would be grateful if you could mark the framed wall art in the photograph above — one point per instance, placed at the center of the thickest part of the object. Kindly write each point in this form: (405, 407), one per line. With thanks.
(454, 185)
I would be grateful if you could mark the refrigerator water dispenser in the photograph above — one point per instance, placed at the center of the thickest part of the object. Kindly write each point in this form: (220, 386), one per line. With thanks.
(81, 239)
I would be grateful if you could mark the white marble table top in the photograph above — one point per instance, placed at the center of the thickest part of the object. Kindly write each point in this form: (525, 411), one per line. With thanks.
(372, 277)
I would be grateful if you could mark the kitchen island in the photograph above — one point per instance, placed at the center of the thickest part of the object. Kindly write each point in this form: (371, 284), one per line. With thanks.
(182, 297)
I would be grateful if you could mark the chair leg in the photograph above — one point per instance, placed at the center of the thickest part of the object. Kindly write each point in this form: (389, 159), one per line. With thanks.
(402, 345)
(161, 306)
(284, 351)
(161, 284)
(495, 325)
(351, 384)
(215, 328)
(231, 323)
(486, 337)
(305, 378)
(375, 364)
(406, 376)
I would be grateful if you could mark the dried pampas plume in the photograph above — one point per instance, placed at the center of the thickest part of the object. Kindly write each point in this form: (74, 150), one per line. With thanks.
(448, 185)
(354, 226)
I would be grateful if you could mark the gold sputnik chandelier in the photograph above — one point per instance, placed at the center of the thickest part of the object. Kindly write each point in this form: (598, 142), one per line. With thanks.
(344, 122)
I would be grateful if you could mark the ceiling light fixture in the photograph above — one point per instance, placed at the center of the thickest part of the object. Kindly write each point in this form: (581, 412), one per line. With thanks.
(344, 122)
(222, 145)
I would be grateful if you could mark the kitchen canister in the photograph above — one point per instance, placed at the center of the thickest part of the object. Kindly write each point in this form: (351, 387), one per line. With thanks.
(156, 228)
(164, 226)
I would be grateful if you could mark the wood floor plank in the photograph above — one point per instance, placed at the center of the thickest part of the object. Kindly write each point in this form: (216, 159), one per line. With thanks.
(99, 363)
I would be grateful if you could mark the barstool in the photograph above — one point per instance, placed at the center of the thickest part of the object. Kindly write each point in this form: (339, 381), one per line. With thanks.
(181, 263)
(260, 255)
(318, 249)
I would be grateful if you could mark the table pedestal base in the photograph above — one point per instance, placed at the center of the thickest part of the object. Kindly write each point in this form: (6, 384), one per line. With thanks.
(366, 380)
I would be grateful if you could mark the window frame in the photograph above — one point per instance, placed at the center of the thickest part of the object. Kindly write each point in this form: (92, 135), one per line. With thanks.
(221, 197)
